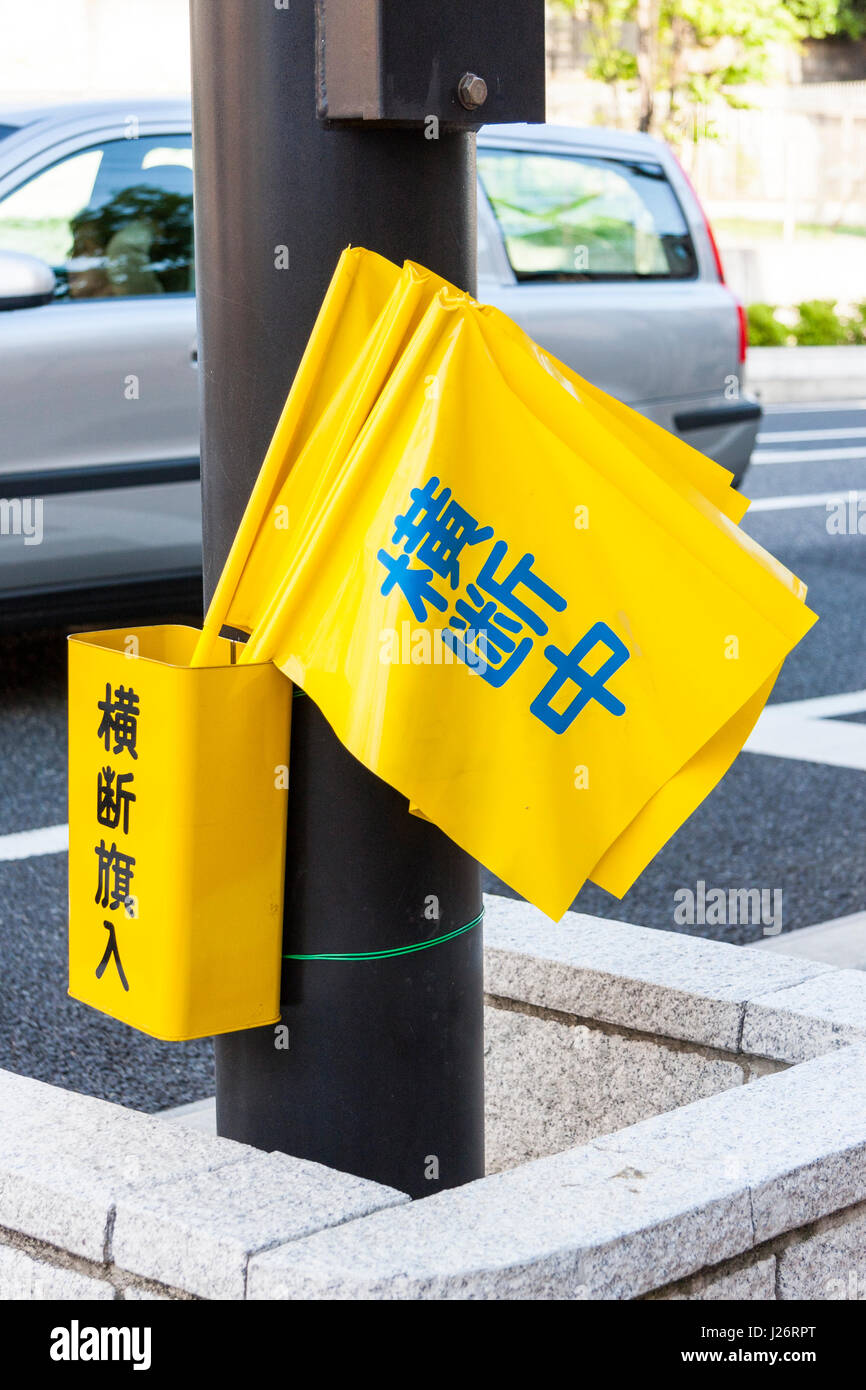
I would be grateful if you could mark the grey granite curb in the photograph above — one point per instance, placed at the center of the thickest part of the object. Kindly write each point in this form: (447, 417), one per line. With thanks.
(67, 1159)
(199, 1232)
(805, 1020)
(657, 982)
(757, 1187)
(579, 1225)
(796, 1140)
(620, 1216)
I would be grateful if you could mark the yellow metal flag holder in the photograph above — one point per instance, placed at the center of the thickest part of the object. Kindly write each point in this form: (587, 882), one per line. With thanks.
(177, 818)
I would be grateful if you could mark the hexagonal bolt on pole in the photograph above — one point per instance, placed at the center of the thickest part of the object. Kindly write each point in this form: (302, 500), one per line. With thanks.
(471, 91)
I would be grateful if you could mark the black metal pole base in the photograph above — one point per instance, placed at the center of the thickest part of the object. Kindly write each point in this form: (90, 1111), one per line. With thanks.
(376, 1066)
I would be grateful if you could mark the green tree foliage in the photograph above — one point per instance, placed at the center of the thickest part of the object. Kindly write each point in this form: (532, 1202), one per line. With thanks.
(679, 62)
(765, 330)
(851, 19)
(819, 325)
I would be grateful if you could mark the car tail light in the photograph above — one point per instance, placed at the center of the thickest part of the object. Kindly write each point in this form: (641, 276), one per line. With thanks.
(742, 322)
(744, 329)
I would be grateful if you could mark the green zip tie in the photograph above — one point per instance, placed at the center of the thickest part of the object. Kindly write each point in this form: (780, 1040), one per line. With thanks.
(395, 951)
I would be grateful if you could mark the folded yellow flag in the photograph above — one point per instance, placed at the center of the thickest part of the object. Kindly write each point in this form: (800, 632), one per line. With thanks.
(552, 645)
(368, 316)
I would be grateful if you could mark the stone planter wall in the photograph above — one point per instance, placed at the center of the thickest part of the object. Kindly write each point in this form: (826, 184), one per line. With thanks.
(667, 1117)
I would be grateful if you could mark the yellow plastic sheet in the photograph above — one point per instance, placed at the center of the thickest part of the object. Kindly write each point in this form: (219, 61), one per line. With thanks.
(626, 633)
(368, 317)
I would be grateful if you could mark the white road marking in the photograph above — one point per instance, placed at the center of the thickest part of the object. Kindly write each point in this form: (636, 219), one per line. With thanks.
(803, 499)
(801, 436)
(806, 455)
(826, 706)
(801, 729)
(814, 408)
(51, 839)
(806, 731)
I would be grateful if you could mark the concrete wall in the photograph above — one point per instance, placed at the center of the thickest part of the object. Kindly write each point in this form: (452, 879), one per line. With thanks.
(668, 1118)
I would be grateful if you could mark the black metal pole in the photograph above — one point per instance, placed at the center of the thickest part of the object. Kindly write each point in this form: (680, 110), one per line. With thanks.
(382, 1071)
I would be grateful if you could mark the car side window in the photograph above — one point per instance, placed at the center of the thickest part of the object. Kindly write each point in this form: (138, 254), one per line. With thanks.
(582, 217)
(112, 221)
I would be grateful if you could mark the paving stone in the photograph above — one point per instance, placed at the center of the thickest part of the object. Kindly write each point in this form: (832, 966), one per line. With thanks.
(197, 1233)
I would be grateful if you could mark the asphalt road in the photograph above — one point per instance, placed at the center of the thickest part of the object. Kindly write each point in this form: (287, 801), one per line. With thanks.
(779, 823)
(783, 823)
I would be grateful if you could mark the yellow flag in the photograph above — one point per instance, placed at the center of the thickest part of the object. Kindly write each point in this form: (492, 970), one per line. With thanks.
(367, 319)
(552, 648)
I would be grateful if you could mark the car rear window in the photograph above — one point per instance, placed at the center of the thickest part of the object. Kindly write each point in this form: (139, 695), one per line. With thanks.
(587, 217)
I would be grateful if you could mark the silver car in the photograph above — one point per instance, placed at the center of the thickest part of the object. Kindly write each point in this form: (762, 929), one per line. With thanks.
(592, 240)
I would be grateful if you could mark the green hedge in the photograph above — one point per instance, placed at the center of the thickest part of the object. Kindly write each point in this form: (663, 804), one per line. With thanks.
(819, 324)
